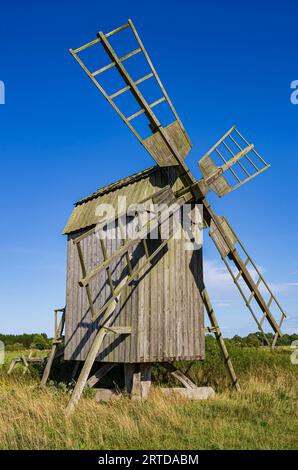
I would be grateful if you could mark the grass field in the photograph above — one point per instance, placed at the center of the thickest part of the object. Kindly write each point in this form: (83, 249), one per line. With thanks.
(262, 416)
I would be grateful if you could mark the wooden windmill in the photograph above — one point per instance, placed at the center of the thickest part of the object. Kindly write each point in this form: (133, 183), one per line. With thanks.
(139, 301)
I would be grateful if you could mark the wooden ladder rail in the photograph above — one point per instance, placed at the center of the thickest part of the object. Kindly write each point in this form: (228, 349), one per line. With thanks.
(235, 257)
(56, 341)
(218, 335)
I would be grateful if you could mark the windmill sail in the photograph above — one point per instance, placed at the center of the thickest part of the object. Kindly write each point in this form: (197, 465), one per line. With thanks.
(236, 157)
(245, 272)
(168, 143)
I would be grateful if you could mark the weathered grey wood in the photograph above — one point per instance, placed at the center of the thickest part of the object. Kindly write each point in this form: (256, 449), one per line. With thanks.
(129, 372)
(137, 378)
(178, 374)
(26, 365)
(107, 394)
(26, 361)
(93, 352)
(49, 364)
(99, 374)
(12, 365)
(145, 370)
(54, 351)
(198, 393)
(150, 305)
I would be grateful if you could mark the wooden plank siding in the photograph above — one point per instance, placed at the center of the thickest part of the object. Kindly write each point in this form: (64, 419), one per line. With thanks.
(163, 307)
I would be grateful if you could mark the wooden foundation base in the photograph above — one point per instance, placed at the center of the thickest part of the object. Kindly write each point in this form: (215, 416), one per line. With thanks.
(137, 378)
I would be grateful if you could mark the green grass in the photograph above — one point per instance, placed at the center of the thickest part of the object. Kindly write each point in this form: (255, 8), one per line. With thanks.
(262, 416)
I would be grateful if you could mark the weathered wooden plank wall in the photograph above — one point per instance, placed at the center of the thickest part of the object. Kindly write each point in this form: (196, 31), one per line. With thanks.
(163, 307)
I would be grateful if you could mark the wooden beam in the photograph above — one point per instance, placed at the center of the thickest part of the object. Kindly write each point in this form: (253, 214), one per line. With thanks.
(100, 374)
(53, 352)
(220, 340)
(137, 378)
(13, 364)
(178, 374)
(90, 359)
(26, 365)
(83, 377)
(209, 217)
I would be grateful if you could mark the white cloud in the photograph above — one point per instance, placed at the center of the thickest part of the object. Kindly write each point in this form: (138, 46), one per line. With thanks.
(219, 281)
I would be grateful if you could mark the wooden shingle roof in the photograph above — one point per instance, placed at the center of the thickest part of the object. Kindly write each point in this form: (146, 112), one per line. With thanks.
(135, 187)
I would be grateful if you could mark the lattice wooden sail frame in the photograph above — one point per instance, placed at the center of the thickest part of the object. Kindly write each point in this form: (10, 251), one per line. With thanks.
(168, 145)
(242, 157)
(226, 243)
(249, 274)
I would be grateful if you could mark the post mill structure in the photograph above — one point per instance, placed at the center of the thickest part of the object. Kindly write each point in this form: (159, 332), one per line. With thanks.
(141, 300)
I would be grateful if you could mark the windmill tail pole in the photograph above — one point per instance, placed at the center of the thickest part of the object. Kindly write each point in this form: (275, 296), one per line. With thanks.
(79, 387)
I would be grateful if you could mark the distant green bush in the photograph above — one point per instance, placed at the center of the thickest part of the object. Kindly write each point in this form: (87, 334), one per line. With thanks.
(26, 341)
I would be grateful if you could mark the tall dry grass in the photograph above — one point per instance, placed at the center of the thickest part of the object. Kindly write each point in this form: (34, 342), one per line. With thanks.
(262, 416)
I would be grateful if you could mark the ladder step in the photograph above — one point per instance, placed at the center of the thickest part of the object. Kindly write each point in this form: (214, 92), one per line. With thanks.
(240, 272)
(95, 41)
(85, 46)
(253, 293)
(270, 301)
(142, 111)
(117, 30)
(212, 329)
(112, 64)
(262, 319)
(137, 82)
(58, 340)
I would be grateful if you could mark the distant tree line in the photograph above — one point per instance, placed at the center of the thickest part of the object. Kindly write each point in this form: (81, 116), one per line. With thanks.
(257, 339)
(26, 341)
(41, 340)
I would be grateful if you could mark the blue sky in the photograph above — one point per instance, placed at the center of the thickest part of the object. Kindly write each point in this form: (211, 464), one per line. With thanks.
(222, 63)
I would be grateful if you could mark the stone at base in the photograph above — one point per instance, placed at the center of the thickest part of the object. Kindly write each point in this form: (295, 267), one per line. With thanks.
(200, 393)
(106, 394)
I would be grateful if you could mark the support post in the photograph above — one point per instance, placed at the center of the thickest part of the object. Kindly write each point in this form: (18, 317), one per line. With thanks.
(220, 340)
(100, 374)
(137, 380)
(26, 365)
(53, 352)
(84, 374)
(75, 370)
(178, 374)
(12, 365)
